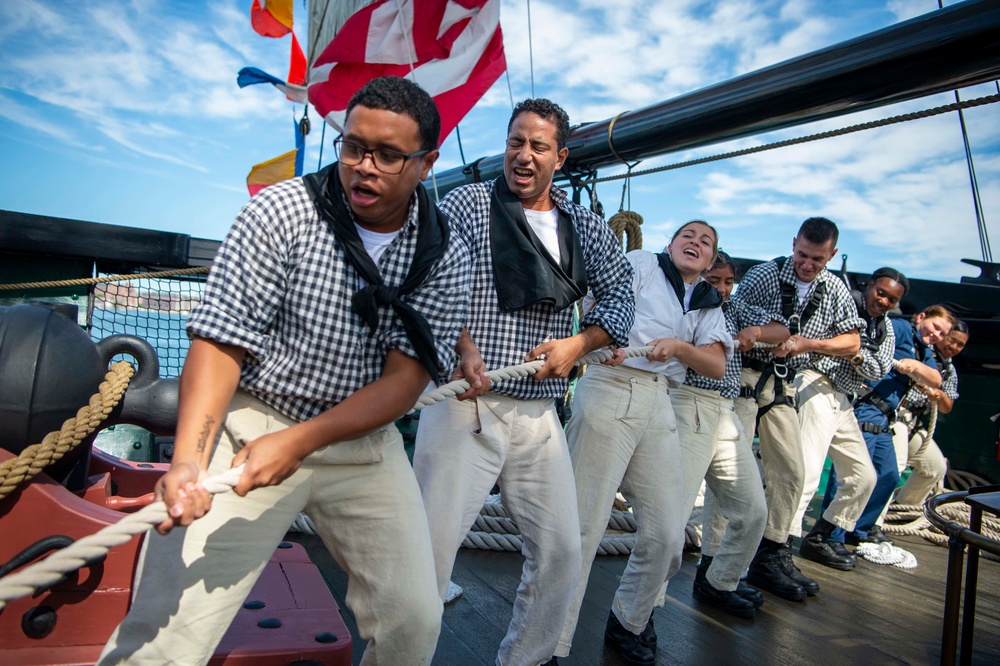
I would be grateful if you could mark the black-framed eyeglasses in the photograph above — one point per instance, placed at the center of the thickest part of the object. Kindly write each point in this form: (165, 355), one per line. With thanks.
(385, 160)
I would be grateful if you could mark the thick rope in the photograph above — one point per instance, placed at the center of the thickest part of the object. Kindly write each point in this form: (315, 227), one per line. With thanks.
(625, 224)
(108, 278)
(909, 520)
(927, 113)
(57, 444)
(53, 568)
(451, 389)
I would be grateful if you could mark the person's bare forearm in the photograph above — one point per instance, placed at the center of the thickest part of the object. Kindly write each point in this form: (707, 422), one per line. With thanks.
(210, 377)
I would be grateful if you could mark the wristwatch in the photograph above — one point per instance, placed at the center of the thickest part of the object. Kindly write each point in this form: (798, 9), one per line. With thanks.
(858, 358)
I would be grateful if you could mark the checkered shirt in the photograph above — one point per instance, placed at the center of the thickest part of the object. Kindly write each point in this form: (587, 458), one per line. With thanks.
(738, 315)
(916, 399)
(281, 288)
(504, 338)
(851, 378)
(835, 316)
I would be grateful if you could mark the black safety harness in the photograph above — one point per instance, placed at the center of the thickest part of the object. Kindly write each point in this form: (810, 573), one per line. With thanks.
(777, 368)
(872, 397)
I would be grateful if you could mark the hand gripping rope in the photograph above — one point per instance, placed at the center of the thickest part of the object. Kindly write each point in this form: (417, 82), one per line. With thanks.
(51, 570)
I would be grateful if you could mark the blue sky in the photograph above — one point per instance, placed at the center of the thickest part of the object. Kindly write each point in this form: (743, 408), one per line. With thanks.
(128, 113)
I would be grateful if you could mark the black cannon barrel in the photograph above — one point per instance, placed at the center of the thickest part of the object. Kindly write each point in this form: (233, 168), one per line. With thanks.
(946, 49)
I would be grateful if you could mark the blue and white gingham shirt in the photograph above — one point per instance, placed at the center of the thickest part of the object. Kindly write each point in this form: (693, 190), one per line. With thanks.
(738, 315)
(917, 399)
(504, 338)
(281, 288)
(836, 315)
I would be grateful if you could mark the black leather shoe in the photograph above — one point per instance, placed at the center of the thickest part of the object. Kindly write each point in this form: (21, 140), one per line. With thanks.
(788, 566)
(842, 551)
(875, 535)
(730, 602)
(627, 644)
(750, 594)
(766, 573)
(815, 547)
(648, 635)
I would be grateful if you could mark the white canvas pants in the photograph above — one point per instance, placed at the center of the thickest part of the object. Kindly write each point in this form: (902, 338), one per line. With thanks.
(363, 499)
(714, 449)
(623, 434)
(462, 449)
(780, 454)
(828, 426)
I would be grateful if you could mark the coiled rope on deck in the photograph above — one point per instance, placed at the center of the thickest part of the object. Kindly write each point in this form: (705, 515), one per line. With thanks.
(909, 520)
(53, 568)
(57, 444)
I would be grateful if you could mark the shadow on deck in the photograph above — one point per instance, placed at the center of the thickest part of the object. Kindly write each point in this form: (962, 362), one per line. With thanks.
(875, 614)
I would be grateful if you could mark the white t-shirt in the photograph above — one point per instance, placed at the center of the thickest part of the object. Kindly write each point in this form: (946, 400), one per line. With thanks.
(802, 288)
(545, 224)
(375, 245)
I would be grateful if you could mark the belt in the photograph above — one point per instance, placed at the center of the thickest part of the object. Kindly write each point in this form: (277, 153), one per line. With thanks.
(874, 428)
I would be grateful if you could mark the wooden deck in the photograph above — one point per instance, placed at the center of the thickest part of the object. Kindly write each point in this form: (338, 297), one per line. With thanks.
(875, 614)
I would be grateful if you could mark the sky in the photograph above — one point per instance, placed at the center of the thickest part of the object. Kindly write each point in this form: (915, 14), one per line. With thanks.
(128, 113)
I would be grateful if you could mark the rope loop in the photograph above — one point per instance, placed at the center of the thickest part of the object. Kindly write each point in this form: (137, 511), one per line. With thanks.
(57, 444)
(626, 224)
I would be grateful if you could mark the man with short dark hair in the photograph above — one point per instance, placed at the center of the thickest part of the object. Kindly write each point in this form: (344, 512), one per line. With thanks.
(534, 254)
(823, 321)
(332, 302)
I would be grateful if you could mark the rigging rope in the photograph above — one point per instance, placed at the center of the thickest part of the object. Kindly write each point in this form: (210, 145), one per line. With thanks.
(108, 278)
(927, 113)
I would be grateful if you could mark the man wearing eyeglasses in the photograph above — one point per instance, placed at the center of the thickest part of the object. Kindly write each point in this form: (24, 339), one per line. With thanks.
(534, 254)
(332, 302)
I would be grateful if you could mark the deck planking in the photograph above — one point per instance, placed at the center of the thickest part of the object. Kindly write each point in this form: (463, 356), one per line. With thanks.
(875, 614)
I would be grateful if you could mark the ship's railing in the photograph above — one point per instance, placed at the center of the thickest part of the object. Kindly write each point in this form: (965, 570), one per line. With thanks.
(983, 498)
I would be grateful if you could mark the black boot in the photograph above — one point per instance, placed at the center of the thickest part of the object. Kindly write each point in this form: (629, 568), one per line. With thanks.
(750, 594)
(699, 573)
(648, 635)
(816, 547)
(629, 647)
(730, 602)
(767, 573)
(788, 566)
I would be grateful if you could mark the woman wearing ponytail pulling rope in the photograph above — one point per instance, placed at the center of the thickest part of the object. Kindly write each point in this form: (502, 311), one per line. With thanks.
(623, 433)
(921, 452)
(735, 510)
(876, 409)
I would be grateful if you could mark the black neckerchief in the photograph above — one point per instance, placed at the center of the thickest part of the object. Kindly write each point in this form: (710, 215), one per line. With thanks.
(432, 240)
(704, 297)
(523, 271)
(875, 331)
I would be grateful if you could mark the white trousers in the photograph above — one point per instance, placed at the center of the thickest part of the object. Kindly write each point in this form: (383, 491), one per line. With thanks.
(928, 465)
(363, 499)
(462, 449)
(714, 448)
(623, 434)
(828, 426)
(780, 454)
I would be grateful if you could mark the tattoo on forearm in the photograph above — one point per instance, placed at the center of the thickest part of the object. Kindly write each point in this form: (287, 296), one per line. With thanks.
(206, 429)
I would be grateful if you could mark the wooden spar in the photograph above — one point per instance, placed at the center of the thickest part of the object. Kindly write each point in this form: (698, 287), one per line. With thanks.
(943, 50)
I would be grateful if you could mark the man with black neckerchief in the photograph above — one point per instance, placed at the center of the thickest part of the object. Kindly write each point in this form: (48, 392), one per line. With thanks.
(534, 254)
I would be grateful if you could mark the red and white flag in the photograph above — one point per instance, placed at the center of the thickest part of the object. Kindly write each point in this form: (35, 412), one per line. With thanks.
(453, 49)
